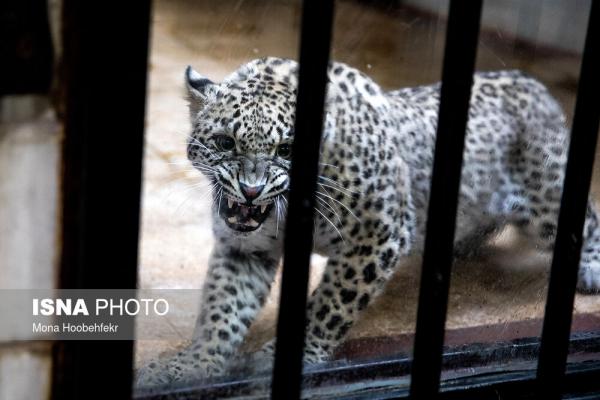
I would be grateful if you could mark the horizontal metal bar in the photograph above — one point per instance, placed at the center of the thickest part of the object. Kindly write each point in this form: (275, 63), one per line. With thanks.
(346, 375)
(457, 78)
(571, 219)
(317, 20)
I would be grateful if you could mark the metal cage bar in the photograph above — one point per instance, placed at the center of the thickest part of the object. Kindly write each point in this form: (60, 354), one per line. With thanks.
(25, 47)
(457, 78)
(105, 68)
(86, 221)
(317, 20)
(571, 219)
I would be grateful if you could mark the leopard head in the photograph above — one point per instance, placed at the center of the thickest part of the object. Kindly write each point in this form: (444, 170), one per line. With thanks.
(241, 139)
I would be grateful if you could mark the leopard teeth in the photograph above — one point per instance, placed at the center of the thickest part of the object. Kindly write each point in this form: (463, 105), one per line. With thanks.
(232, 220)
(229, 203)
(263, 208)
(253, 223)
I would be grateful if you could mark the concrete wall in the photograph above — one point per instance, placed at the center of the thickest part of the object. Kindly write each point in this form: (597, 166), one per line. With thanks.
(29, 184)
(557, 24)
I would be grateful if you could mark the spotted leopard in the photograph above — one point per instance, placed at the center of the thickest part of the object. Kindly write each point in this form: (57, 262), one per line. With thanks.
(374, 179)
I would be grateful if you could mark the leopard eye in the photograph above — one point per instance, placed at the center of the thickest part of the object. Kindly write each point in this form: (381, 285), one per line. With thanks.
(284, 151)
(225, 143)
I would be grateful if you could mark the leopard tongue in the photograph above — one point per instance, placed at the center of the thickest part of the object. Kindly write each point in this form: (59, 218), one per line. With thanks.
(244, 210)
(246, 216)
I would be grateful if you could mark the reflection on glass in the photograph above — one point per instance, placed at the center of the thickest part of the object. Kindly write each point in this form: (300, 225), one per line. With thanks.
(215, 190)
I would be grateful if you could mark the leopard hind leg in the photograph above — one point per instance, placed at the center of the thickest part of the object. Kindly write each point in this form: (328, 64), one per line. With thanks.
(589, 265)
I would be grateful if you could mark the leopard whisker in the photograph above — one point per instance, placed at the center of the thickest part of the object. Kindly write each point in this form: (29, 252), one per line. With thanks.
(345, 192)
(190, 188)
(206, 171)
(196, 141)
(342, 191)
(196, 165)
(328, 206)
(180, 162)
(199, 164)
(329, 165)
(219, 201)
(277, 217)
(200, 185)
(338, 202)
(337, 185)
(331, 223)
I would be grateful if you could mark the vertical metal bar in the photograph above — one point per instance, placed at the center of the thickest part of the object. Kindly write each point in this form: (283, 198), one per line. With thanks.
(571, 219)
(105, 66)
(25, 47)
(317, 20)
(457, 79)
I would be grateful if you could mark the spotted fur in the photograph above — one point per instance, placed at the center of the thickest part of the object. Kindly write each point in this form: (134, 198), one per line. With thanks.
(376, 160)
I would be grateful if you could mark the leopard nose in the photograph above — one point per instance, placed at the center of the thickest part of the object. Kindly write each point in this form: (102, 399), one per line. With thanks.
(251, 192)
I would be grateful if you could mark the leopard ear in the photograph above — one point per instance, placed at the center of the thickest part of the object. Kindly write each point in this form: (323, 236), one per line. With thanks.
(200, 90)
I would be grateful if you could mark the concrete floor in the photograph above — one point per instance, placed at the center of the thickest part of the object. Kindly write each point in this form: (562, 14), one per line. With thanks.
(397, 48)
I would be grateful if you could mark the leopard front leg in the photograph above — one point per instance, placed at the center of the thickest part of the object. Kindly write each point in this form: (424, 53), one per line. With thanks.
(350, 282)
(357, 271)
(234, 291)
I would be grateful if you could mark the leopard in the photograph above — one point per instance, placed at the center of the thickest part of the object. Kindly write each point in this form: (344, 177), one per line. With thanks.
(373, 185)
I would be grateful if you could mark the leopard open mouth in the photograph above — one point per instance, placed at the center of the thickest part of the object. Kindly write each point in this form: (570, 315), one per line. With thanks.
(243, 217)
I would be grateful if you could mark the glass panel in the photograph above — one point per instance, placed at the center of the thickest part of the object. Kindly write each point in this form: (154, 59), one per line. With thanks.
(395, 46)
(498, 292)
(179, 214)
(375, 166)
